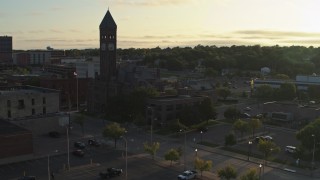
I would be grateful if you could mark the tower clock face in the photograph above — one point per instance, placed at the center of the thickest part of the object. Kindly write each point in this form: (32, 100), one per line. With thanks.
(110, 46)
(103, 46)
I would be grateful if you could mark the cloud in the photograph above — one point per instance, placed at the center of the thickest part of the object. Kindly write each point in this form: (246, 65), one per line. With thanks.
(56, 8)
(35, 31)
(55, 31)
(151, 2)
(277, 34)
(34, 14)
(302, 41)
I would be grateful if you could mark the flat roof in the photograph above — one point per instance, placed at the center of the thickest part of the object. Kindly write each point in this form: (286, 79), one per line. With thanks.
(4, 90)
(7, 128)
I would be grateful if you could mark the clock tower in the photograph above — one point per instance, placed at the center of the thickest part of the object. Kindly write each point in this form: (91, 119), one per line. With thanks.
(108, 48)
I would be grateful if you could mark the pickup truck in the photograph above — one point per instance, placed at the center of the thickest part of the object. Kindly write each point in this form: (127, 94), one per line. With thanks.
(187, 175)
(111, 172)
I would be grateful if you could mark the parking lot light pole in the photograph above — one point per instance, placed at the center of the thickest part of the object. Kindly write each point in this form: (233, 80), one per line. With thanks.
(184, 148)
(249, 149)
(126, 155)
(68, 147)
(314, 146)
(260, 166)
(201, 132)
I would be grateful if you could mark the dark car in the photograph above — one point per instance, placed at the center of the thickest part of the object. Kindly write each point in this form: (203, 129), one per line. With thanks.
(78, 153)
(79, 145)
(111, 172)
(54, 134)
(27, 178)
(93, 142)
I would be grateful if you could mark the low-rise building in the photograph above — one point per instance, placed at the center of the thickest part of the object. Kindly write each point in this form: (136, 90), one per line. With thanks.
(164, 109)
(24, 101)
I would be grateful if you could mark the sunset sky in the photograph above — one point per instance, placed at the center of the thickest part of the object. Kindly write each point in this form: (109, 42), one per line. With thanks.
(67, 24)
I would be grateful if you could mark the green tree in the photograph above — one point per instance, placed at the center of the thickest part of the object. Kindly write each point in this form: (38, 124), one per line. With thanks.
(113, 131)
(254, 124)
(230, 139)
(282, 76)
(287, 91)
(202, 165)
(264, 91)
(172, 155)
(207, 111)
(223, 92)
(241, 126)
(305, 134)
(231, 113)
(228, 172)
(151, 148)
(251, 174)
(79, 119)
(267, 148)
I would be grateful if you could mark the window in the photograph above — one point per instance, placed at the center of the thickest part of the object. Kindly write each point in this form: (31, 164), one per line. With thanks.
(21, 104)
(8, 103)
(32, 101)
(33, 111)
(44, 100)
(9, 114)
(44, 110)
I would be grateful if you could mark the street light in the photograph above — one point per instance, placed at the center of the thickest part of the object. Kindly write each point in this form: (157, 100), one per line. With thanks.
(201, 136)
(68, 146)
(196, 150)
(151, 124)
(126, 156)
(249, 149)
(75, 73)
(314, 146)
(184, 148)
(49, 165)
(260, 166)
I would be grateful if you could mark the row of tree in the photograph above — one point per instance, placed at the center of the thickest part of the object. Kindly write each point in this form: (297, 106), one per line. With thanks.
(291, 60)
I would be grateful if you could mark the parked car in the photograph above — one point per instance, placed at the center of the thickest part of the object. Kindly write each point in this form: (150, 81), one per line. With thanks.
(111, 172)
(188, 174)
(79, 145)
(247, 108)
(265, 138)
(78, 152)
(290, 149)
(27, 178)
(54, 134)
(93, 142)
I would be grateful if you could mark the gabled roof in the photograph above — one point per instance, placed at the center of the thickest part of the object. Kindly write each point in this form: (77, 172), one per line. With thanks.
(108, 21)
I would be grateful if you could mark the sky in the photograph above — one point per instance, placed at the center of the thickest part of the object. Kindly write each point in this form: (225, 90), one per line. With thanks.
(74, 24)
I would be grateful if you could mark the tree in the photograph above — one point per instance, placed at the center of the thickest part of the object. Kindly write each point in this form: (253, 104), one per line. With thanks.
(241, 126)
(264, 91)
(231, 113)
(287, 91)
(223, 92)
(114, 131)
(251, 174)
(227, 172)
(254, 124)
(305, 134)
(172, 155)
(207, 110)
(230, 140)
(267, 148)
(151, 148)
(202, 165)
(79, 119)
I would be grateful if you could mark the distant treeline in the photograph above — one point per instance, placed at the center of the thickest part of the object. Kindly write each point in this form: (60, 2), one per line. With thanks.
(291, 60)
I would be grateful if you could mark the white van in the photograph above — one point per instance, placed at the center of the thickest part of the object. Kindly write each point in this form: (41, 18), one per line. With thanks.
(290, 149)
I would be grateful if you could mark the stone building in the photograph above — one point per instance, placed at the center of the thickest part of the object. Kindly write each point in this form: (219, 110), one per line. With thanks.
(25, 101)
